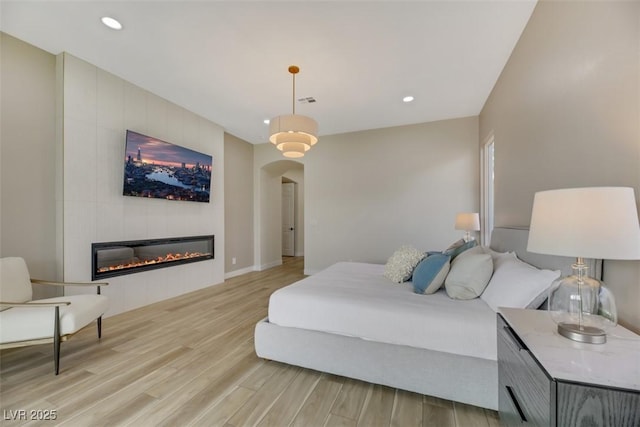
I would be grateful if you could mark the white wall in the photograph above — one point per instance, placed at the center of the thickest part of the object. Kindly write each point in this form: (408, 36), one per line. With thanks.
(98, 108)
(367, 193)
(28, 171)
(238, 205)
(565, 113)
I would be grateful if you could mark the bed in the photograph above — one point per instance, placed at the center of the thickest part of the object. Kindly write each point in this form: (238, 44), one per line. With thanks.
(349, 320)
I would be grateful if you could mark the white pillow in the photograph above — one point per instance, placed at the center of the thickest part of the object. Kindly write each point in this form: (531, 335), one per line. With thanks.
(400, 265)
(499, 257)
(469, 275)
(517, 284)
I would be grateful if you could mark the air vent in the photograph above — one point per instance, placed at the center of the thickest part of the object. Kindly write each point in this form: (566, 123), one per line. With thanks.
(307, 100)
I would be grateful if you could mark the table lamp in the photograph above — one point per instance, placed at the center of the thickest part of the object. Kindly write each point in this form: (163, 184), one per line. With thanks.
(595, 222)
(468, 222)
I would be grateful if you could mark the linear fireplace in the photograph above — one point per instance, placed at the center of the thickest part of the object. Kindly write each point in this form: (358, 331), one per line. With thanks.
(109, 259)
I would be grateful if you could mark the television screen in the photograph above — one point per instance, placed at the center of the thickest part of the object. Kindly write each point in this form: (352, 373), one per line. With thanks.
(158, 169)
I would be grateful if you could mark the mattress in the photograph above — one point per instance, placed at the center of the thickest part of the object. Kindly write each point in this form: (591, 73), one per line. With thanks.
(355, 299)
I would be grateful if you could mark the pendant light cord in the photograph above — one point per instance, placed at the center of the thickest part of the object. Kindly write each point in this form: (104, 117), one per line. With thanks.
(293, 100)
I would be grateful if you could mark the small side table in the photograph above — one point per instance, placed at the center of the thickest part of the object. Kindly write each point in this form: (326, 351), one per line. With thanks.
(548, 380)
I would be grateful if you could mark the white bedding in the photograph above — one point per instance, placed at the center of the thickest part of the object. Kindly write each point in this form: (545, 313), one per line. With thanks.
(355, 299)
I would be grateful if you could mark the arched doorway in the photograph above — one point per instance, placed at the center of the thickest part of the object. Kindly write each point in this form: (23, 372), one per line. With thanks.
(269, 224)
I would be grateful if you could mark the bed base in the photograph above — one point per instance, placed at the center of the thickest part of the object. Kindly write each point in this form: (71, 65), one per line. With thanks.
(448, 376)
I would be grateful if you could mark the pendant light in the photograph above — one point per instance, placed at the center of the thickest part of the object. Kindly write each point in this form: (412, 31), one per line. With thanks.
(293, 134)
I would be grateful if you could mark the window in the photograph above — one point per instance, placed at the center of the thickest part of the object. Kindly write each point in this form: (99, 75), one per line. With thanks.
(486, 190)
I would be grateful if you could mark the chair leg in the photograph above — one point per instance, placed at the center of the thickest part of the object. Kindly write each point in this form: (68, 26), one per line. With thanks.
(56, 340)
(99, 327)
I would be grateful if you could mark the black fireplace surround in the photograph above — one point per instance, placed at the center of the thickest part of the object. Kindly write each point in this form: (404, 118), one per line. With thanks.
(110, 259)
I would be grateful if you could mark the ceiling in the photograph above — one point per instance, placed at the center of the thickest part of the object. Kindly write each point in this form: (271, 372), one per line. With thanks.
(227, 60)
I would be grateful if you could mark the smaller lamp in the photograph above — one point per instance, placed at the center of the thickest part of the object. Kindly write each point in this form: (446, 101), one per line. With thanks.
(596, 222)
(468, 222)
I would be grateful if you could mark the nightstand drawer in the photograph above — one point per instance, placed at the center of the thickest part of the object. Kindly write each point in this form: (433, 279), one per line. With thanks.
(580, 404)
(525, 389)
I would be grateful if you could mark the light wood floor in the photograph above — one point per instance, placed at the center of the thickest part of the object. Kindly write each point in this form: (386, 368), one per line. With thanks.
(190, 361)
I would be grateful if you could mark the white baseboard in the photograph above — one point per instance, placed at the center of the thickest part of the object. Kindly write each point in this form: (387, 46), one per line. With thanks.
(262, 267)
(308, 272)
(235, 273)
(269, 265)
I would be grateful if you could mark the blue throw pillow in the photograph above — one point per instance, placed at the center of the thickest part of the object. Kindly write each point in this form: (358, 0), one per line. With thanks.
(458, 247)
(429, 274)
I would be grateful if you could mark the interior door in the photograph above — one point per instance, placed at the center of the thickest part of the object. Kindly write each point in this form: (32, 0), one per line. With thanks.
(288, 219)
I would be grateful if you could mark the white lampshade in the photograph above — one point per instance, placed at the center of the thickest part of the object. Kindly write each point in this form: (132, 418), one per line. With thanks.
(293, 149)
(595, 222)
(293, 126)
(468, 221)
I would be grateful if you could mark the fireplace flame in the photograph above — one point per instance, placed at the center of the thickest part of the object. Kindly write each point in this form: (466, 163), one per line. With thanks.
(161, 259)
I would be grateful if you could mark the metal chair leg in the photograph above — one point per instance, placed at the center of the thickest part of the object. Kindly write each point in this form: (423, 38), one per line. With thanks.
(99, 320)
(56, 340)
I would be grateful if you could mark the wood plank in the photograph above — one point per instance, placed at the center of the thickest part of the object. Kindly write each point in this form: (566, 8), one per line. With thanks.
(349, 402)
(407, 409)
(263, 399)
(378, 406)
(337, 421)
(184, 403)
(221, 411)
(493, 418)
(258, 377)
(287, 406)
(217, 388)
(315, 410)
(70, 403)
(438, 415)
(468, 414)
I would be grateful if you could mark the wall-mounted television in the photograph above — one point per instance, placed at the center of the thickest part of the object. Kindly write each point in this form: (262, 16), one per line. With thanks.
(161, 170)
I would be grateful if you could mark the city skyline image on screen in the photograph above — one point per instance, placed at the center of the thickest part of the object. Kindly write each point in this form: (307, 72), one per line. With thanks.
(158, 169)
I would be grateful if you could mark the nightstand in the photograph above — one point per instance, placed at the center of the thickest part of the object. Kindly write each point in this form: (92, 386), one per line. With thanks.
(548, 380)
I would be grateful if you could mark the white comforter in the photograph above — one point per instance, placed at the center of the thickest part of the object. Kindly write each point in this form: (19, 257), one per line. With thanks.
(355, 299)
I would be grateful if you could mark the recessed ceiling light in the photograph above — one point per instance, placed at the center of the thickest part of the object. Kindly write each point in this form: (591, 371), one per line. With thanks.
(407, 98)
(267, 121)
(112, 23)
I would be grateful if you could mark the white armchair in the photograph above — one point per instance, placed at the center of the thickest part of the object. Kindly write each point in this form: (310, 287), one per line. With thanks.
(24, 321)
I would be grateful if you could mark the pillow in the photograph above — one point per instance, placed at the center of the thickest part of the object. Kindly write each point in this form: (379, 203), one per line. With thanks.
(518, 284)
(469, 276)
(400, 265)
(430, 273)
(500, 257)
(459, 246)
(474, 250)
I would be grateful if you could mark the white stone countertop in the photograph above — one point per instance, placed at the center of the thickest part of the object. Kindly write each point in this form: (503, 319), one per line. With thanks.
(615, 363)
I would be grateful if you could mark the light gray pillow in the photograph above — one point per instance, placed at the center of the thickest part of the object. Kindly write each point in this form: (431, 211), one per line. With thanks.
(400, 265)
(469, 276)
(518, 284)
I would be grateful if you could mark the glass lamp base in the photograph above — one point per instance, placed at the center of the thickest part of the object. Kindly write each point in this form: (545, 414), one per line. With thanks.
(468, 237)
(586, 334)
(583, 307)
